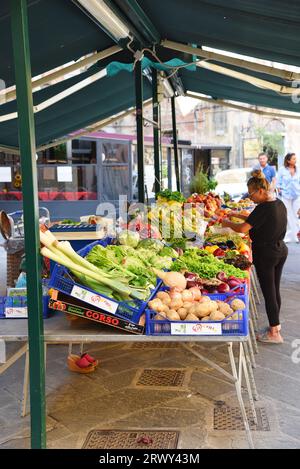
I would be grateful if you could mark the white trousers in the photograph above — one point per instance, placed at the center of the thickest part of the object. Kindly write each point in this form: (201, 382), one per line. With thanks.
(292, 206)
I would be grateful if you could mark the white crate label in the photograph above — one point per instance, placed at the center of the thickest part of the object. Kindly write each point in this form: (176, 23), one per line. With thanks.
(94, 299)
(16, 312)
(199, 328)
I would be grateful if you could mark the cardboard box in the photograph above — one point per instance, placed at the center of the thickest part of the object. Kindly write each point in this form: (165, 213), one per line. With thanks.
(67, 304)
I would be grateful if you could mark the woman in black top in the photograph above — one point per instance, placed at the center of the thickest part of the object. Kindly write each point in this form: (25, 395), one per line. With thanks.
(267, 226)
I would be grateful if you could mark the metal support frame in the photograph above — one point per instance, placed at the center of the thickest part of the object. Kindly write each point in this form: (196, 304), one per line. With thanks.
(156, 132)
(31, 228)
(140, 131)
(235, 377)
(175, 143)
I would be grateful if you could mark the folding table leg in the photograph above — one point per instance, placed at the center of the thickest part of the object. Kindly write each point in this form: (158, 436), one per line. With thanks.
(25, 385)
(251, 354)
(239, 395)
(244, 370)
(252, 336)
(250, 372)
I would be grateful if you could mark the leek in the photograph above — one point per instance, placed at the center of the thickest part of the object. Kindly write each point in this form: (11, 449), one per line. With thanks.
(62, 253)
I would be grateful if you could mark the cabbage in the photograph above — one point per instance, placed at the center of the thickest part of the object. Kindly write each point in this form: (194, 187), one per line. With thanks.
(150, 243)
(129, 238)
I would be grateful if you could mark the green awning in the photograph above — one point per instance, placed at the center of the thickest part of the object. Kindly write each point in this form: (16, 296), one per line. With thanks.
(102, 99)
(223, 87)
(59, 32)
(267, 29)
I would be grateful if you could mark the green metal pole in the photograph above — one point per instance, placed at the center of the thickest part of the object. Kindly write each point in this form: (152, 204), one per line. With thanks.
(31, 216)
(156, 146)
(175, 143)
(140, 130)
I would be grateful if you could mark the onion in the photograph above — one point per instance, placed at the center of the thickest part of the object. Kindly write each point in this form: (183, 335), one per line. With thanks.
(221, 276)
(191, 284)
(187, 295)
(196, 293)
(162, 295)
(174, 294)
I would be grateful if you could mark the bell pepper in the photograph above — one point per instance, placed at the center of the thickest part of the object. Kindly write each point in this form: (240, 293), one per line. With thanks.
(211, 249)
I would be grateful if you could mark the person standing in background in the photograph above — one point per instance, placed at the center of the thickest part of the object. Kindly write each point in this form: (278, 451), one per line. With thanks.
(268, 171)
(289, 190)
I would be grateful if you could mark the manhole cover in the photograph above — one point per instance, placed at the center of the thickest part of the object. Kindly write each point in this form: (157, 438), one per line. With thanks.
(153, 345)
(131, 439)
(230, 418)
(161, 377)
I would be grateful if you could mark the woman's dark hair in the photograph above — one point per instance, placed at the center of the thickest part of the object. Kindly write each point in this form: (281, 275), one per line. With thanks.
(258, 181)
(287, 159)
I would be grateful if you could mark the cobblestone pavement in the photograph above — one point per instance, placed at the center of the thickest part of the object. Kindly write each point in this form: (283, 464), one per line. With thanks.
(116, 397)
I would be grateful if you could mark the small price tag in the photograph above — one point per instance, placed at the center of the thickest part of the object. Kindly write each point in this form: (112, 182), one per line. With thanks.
(16, 312)
(94, 299)
(198, 328)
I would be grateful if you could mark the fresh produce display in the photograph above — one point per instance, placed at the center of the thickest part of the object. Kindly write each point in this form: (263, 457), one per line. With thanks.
(220, 284)
(222, 240)
(205, 265)
(190, 305)
(118, 272)
(237, 260)
(173, 221)
(205, 280)
(210, 201)
(168, 196)
(243, 203)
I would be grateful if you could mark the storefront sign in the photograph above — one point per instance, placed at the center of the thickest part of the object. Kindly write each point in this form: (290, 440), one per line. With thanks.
(5, 174)
(252, 148)
(64, 174)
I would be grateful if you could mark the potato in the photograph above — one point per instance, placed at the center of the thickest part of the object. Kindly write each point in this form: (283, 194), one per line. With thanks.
(204, 299)
(172, 315)
(162, 295)
(186, 295)
(202, 309)
(166, 300)
(224, 308)
(193, 309)
(188, 304)
(237, 305)
(206, 318)
(160, 317)
(216, 316)
(213, 305)
(176, 304)
(182, 313)
(191, 317)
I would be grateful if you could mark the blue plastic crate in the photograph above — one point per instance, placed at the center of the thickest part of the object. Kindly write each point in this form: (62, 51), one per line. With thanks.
(21, 301)
(62, 281)
(234, 327)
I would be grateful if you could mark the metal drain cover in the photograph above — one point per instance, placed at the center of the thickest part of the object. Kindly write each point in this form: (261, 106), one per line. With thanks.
(161, 377)
(230, 418)
(153, 345)
(131, 439)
